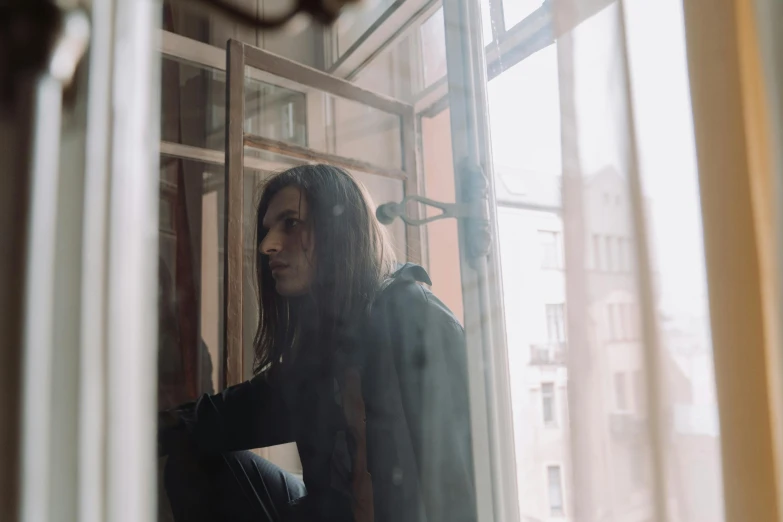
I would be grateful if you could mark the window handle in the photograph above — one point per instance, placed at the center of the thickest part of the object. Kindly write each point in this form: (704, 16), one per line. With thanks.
(473, 211)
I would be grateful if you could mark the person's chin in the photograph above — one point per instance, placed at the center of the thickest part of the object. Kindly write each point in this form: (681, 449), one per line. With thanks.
(287, 289)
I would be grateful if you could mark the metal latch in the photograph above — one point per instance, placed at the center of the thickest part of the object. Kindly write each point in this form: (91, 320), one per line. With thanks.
(474, 210)
(388, 212)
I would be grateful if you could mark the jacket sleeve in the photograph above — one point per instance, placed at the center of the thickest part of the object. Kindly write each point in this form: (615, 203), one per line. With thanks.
(431, 362)
(246, 416)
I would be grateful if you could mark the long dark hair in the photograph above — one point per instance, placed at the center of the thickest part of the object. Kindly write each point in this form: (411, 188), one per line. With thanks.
(353, 257)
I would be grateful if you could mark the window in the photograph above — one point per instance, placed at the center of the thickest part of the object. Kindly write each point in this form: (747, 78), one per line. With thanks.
(625, 265)
(433, 49)
(621, 321)
(612, 327)
(555, 322)
(638, 466)
(610, 256)
(514, 11)
(550, 249)
(486, 23)
(623, 332)
(628, 311)
(634, 319)
(555, 483)
(617, 262)
(548, 403)
(598, 260)
(620, 395)
(638, 391)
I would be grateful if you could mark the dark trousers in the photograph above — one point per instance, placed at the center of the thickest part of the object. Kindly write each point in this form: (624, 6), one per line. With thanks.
(233, 487)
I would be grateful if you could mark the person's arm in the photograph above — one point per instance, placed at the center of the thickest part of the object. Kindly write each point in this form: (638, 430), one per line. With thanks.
(246, 416)
(431, 362)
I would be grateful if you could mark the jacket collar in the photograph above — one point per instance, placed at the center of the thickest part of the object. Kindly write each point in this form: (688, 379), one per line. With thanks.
(411, 272)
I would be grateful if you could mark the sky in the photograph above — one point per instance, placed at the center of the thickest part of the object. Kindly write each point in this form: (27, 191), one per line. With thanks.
(525, 128)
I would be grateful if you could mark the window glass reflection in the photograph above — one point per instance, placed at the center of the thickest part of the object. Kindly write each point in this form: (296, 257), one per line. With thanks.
(514, 11)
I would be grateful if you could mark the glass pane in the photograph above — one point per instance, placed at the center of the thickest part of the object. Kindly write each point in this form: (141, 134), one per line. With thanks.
(190, 287)
(486, 22)
(191, 281)
(525, 119)
(275, 112)
(355, 21)
(671, 192)
(194, 110)
(360, 132)
(394, 72)
(514, 11)
(576, 355)
(433, 48)
(327, 123)
(192, 104)
(555, 490)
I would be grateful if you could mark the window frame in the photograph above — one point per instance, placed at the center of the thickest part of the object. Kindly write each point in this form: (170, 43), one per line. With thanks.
(556, 317)
(553, 421)
(557, 262)
(562, 509)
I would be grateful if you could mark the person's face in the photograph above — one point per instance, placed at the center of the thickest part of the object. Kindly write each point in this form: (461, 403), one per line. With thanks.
(289, 243)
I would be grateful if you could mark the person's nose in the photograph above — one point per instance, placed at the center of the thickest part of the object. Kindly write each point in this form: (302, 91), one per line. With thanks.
(271, 244)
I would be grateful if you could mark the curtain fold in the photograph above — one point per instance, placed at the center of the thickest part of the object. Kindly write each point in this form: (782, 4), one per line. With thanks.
(644, 439)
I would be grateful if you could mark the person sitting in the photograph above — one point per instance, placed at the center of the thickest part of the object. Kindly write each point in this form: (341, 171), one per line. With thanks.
(355, 361)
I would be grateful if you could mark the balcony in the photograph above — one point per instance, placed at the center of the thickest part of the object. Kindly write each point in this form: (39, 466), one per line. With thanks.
(548, 354)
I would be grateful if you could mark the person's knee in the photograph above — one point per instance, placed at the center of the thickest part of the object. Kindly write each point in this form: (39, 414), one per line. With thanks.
(265, 477)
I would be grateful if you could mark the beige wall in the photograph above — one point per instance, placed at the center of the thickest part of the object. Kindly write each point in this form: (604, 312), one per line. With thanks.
(443, 261)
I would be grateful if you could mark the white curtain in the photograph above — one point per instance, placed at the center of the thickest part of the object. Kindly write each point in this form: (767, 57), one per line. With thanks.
(643, 426)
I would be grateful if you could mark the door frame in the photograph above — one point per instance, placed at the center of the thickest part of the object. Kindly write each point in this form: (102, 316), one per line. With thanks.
(491, 409)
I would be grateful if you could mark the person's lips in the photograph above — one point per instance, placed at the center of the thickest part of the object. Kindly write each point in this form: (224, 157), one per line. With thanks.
(277, 266)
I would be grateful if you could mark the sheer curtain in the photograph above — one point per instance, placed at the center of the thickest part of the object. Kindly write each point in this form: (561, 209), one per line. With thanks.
(643, 422)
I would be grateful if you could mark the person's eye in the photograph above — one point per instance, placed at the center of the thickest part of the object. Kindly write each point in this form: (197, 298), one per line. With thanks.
(291, 223)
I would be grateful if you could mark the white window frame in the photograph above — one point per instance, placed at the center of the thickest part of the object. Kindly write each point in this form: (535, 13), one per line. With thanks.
(554, 421)
(563, 497)
(556, 237)
(556, 318)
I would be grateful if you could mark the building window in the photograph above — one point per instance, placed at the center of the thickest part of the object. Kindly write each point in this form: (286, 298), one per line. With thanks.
(287, 119)
(611, 254)
(622, 322)
(555, 323)
(550, 249)
(548, 403)
(638, 391)
(612, 327)
(598, 259)
(620, 394)
(633, 314)
(618, 254)
(625, 254)
(555, 483)
(629, 321)
(619, 321)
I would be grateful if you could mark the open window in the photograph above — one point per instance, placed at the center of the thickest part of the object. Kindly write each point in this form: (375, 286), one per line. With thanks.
(368, 134)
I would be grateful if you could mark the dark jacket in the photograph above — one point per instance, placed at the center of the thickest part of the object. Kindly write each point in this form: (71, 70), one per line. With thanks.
(410, 362)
